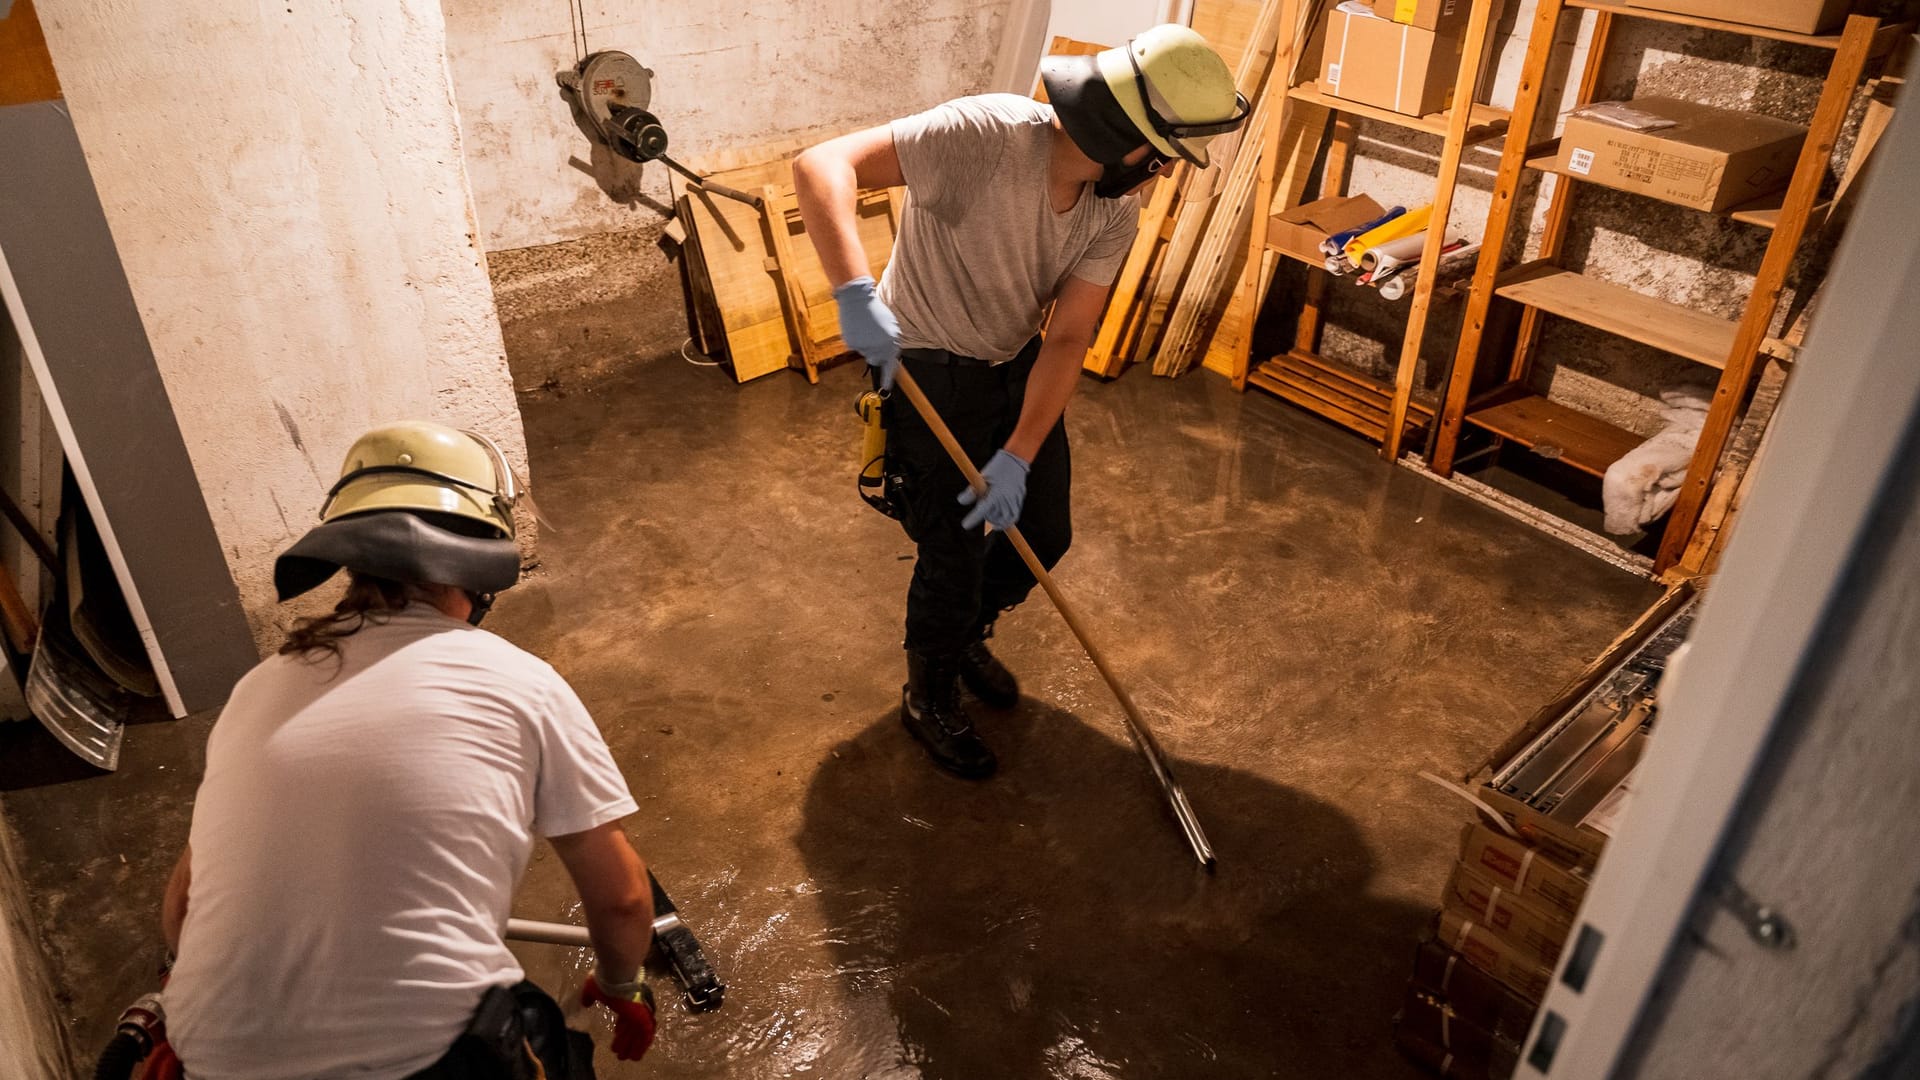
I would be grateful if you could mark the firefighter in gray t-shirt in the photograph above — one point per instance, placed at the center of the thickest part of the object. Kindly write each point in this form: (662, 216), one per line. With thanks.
(1012, 206)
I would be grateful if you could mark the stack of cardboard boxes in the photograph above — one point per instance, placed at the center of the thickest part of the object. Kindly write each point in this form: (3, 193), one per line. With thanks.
(1509, 910)
(1401, 55)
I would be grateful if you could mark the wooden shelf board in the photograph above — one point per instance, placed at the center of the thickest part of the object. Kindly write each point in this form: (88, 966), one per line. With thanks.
(1485, 119)
(1551, 429)
(1763, 211)
(1818, 41)
(1348, 398)
(1616, 309)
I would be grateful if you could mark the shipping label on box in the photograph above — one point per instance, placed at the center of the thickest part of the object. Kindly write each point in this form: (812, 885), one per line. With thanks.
(1529, 924)
(1386, 64)
(1486, 950)
(1521, 869)
(1697, 156)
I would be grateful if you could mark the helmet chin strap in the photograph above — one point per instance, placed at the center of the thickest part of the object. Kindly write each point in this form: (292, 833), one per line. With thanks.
(482, 603)
(1119, 178)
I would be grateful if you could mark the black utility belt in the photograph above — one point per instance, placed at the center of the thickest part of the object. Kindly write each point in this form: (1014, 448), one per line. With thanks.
(949, 359)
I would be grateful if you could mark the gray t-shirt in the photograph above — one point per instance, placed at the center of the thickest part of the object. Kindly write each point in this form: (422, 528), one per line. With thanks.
(981, 251)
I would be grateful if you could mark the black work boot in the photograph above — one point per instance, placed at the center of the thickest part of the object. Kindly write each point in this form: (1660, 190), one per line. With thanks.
(930, 708)
(987, 677)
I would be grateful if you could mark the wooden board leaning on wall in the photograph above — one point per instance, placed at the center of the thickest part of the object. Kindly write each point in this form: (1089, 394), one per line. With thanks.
(755, 289)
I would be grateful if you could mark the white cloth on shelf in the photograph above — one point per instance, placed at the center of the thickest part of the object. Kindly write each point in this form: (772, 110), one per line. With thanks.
(1646, 480)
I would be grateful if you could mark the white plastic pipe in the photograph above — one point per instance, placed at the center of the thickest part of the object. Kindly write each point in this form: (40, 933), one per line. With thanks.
(1388, 256)
(548, 933)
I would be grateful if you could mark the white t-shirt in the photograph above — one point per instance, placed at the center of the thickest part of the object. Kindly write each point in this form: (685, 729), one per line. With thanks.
(356, 843)
(981, 251)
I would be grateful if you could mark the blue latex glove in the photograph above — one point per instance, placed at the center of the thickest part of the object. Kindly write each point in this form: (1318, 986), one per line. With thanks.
(869, 328)
(1006, 477)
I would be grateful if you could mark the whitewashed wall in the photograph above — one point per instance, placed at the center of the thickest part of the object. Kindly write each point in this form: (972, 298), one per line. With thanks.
(286, 189)
(734, 83)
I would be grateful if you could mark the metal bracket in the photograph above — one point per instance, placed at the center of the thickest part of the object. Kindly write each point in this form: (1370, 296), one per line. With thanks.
(1766, 926)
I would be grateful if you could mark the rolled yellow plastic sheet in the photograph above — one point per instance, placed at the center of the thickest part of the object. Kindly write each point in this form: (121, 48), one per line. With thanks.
(1412, 221)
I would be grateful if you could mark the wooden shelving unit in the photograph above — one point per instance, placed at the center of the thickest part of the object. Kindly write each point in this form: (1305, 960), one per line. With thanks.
(1543, 288)
(1384, 412)
(1666, 326)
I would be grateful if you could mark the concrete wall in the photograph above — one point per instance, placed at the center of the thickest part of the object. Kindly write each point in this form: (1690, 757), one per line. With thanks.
(735, 84)
(32, 1043)
(286, 187)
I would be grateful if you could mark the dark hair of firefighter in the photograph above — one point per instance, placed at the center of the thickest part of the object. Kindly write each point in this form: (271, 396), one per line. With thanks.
(368, 599)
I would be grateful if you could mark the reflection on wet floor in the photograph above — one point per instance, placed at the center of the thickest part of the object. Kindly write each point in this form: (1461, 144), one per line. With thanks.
(1305, 627)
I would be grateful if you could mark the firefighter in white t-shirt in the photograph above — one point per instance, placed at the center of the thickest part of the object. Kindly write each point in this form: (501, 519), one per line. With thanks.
(1017, 211)
(371, 797)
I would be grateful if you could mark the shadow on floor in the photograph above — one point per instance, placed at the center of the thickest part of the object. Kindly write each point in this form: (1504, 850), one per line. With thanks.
(1051, 922)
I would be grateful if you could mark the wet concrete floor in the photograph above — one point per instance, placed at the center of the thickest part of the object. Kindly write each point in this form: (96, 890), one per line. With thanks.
(1306, 627)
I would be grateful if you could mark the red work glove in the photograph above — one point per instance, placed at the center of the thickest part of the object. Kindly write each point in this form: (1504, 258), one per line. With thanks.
(633, 1023)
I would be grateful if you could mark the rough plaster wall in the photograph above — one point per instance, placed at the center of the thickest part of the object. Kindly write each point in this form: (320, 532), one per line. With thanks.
(728, 78)
(32, 1045)
(735, 84)
(1667, 251)
(286, 188)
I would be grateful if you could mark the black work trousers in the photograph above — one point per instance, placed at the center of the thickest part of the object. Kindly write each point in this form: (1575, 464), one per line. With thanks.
(964, 578)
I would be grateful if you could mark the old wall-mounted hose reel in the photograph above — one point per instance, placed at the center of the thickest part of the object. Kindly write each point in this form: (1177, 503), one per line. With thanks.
(609, 93)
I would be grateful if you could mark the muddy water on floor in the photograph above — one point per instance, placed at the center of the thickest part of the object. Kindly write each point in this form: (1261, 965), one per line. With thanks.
(1047, 923)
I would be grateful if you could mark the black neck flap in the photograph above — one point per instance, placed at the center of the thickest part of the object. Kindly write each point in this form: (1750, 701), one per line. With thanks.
(399, 546)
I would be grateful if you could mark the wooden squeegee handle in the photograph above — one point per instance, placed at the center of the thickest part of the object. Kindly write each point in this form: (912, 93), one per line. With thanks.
(1136, 726)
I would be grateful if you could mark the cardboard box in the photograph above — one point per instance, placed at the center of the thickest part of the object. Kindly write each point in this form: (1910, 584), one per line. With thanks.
(1301, 229)
(1522, 870)
(1798, 16)
(1471, 992)
(1427, 1024)
(1462, 932)
(1569, 845)
(1538, 928)
(1426, 14)
(1703, 157)
(1389, 65)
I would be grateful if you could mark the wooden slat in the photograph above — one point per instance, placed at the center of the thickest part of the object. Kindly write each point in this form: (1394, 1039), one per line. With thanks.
(1484, 121)
(1124, 305)
(1616, 309)
(1197, 196)
(26, 69)
(1359, 402)
(1286, 385)
(733, 247)
(1818, 41)
(1765, 210)
(1585, 442)
(1228, 26)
